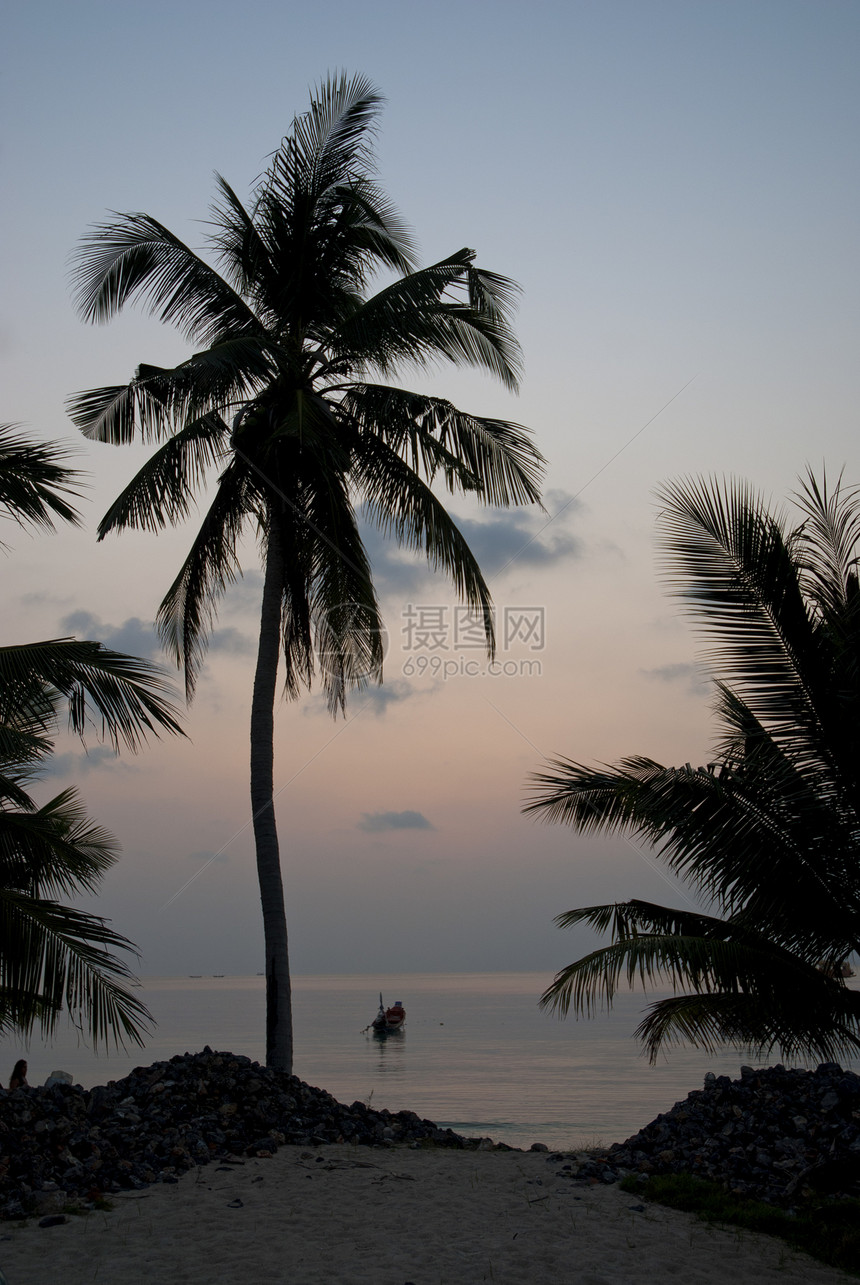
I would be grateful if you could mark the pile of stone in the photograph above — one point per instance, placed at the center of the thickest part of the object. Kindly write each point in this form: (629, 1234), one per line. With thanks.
(774, 1134)
(63, 1143)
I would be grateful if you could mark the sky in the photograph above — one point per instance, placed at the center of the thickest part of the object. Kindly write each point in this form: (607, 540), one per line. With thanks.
(674, 186)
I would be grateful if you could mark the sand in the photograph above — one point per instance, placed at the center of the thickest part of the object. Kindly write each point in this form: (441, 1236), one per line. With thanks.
(341, 1215)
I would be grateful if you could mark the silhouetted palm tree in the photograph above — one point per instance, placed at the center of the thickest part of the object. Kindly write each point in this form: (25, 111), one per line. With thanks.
(54, 958)
(280, 397)
(769, 832)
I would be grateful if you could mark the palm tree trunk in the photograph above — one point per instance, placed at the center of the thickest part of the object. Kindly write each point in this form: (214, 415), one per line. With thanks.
(279, 1021)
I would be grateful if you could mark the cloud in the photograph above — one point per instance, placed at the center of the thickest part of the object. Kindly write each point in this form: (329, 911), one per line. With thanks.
(524, 537)
(79, 764)
(375, 822)
(232, 641)
(519, 537)
(374, 699)
(690, 674)
(379, 696)
(245, 593)
(134, 636)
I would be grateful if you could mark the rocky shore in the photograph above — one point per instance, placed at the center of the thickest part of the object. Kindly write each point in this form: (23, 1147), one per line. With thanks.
(775, 1134)
(65, 1143)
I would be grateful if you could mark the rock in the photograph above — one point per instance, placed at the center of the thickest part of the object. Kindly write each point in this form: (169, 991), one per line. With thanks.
(538, 1146)
(62, 1142)
(49, 1202)
(58, 1077)
(771, 1134)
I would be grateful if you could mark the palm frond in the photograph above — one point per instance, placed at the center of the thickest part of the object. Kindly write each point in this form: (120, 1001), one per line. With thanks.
(495, 458)
(768, 832)
(56, 958)
(54, 849)
(163, 490)
(434, 314)
(188, 609)
(241, 251)
(593, 799)
(137, 257)
(400, 504)
(35, 480)
(750, 836)
(732, 563)
(309, 524)
(329, 144)
(745, 989)
(343, 610)
(816, 1024)
(828, 544)
(322, 223)
(121, 698)
(158, 401)
(15, 781)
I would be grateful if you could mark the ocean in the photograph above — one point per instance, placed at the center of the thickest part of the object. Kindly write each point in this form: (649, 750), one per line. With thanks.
(477, 1054)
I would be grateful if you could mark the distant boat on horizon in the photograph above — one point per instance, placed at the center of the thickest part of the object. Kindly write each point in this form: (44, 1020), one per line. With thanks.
(389, 1020)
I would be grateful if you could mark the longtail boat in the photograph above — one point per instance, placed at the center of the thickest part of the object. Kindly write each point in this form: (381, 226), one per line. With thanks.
(389, 1019)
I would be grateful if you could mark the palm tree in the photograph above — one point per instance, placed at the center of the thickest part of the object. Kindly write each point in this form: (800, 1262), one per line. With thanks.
(54, 957)
(287, 397)
(769, 832)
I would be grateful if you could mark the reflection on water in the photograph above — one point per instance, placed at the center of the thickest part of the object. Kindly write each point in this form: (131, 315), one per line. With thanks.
(387, 1051)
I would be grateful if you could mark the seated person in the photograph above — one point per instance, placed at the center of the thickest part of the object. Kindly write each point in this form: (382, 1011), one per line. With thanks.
(19, 1076)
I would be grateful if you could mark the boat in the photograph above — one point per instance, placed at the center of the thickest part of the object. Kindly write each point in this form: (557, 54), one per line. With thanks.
(390, 1019)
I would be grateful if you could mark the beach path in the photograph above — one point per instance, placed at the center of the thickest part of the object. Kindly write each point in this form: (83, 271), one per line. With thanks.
(344, 1215)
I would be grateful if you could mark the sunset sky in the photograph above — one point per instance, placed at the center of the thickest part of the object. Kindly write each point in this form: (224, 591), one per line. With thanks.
(675, 187)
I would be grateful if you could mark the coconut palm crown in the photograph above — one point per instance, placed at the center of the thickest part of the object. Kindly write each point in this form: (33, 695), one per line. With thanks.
(56, 959)
(287, 399)
(769, 831)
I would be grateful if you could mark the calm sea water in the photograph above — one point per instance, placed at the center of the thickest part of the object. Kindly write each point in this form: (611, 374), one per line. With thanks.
(477, 1055)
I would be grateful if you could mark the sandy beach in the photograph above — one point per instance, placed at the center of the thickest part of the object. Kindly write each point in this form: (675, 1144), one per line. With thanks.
(339, 1214)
